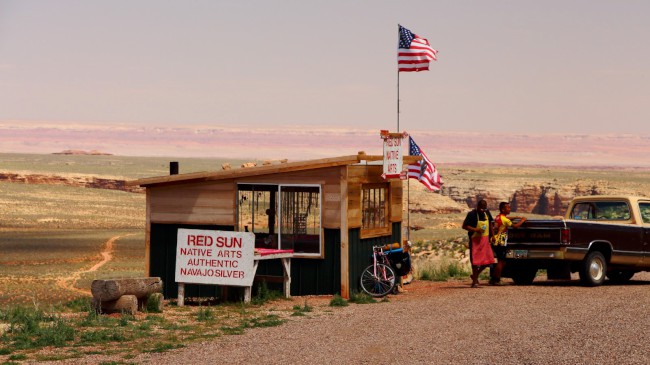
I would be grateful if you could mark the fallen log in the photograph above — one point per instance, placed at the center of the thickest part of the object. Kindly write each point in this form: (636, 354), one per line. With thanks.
(107, 290)
(125, 304)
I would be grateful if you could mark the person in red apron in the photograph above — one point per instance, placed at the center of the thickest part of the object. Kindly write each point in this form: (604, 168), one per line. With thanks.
(478, 224)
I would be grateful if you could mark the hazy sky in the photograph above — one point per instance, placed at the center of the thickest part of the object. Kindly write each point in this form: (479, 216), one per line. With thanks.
(525, 66)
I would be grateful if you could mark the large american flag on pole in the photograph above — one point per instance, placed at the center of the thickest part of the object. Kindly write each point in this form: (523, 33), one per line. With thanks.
(425, 171)
(413, 53)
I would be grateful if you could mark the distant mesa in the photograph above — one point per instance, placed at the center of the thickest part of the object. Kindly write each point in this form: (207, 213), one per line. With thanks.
(81, 152)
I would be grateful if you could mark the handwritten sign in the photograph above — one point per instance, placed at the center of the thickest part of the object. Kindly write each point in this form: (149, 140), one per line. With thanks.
(215, 257)
(392, 154)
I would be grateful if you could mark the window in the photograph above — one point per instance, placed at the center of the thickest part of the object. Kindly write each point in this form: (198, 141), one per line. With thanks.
(614, 211)
(374, 210)
(645, 212)
(282, 216)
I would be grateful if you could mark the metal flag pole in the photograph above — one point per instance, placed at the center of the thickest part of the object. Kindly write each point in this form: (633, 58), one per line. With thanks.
(408, 185)
(397, 98)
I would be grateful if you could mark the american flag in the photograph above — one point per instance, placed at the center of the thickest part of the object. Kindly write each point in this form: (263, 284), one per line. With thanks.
(425, 171)
(413, 52)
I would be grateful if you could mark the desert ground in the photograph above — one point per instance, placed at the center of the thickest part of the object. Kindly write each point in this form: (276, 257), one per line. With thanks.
(57, 235)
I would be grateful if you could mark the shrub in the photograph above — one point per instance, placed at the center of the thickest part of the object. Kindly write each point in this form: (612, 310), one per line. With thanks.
(442, 271)
(338, 301)
(361, 298)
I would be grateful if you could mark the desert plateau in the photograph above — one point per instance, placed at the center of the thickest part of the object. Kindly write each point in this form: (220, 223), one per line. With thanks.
(68, 219)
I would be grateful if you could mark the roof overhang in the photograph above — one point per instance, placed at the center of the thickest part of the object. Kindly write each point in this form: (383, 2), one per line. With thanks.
(361, 157)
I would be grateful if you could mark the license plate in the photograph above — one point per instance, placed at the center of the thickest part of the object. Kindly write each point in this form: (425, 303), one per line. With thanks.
(519, 254)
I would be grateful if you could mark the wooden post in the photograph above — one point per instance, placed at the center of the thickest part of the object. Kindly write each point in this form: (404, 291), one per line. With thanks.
(181, 294)
(345, 269)
(147, 234)
(286, 265)
(248, 290)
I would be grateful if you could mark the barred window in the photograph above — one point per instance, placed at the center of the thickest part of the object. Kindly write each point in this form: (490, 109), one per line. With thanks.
(374, 210)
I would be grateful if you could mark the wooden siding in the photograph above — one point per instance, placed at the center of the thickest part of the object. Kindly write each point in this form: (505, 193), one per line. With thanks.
(395, 214)
(371, 174)
(193, 203)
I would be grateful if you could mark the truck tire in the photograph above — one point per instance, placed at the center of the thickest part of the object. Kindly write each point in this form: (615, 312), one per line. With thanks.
(593, 268)
(524, 275)
(620, 276)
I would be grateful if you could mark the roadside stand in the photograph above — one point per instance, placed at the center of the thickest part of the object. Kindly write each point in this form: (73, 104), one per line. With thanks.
(306, 227)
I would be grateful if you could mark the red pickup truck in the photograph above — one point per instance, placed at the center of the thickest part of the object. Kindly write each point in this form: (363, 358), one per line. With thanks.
(600, 236)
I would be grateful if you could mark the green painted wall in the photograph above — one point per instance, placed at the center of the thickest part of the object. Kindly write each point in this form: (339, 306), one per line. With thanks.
(361, 252)
(308, 276)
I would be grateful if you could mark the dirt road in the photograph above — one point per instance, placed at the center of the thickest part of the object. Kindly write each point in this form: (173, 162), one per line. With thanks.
(450, 323)
(68, 282)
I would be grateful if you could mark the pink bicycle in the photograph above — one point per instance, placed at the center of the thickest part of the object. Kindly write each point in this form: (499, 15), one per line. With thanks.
(378, 279)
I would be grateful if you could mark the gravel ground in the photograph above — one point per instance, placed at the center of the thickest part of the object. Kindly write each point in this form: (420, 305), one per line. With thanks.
(449, 323)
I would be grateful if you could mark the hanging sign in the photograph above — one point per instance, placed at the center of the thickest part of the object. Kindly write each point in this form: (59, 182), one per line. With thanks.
(215, 257)
(392, 154)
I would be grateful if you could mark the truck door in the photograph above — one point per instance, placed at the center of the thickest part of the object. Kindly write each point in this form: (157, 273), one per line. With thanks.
(644, 207)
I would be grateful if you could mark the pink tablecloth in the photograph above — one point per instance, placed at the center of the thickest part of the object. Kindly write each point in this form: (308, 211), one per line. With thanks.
(270, 251)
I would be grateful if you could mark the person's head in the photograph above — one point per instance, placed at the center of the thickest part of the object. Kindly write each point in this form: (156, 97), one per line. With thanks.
(504, 208)
(481, 205)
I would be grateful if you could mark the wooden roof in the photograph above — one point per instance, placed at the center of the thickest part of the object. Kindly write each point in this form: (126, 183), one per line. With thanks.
(262, 170)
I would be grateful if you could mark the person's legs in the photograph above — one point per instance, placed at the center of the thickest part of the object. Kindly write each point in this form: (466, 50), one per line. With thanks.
(500, 255)
(475, 272)
(496, 278)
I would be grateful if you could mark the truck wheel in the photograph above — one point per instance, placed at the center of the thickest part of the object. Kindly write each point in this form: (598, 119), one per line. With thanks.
(524, 275)
(593, 269)
(620, 276)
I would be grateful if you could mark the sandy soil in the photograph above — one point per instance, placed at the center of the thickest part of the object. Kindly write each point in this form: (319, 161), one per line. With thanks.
(447, 323)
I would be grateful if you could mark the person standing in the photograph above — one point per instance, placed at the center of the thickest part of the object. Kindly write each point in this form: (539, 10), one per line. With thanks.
(502, 222)
(478, 224)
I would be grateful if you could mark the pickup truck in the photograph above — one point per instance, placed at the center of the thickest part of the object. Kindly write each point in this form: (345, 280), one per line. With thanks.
(600, 236)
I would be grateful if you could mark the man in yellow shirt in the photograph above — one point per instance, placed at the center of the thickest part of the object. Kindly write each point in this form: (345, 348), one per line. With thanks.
(500, 240)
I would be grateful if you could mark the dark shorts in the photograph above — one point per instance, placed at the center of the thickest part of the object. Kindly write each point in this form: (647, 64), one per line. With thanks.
(499, 252)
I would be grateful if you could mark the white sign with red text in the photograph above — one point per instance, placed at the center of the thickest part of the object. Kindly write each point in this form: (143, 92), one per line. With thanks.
(392, 156)
(215, 257)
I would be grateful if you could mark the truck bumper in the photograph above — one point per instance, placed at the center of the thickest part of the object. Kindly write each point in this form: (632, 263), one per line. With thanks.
(535, 254)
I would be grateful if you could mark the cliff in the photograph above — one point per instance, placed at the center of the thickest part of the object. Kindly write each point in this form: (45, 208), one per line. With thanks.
(72, 180)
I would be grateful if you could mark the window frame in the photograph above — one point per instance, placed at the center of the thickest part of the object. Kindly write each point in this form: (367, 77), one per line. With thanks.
(641, 211)
(375, 231)
(595, 209)
(278, 234)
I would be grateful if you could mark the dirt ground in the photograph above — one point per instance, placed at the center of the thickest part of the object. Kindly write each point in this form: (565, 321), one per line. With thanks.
(446, 323)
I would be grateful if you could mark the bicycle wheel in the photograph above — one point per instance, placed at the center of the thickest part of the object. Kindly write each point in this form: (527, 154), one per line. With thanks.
(380, 284)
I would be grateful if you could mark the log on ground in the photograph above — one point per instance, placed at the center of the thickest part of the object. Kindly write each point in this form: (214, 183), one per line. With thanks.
(110, 289)
(127, 304)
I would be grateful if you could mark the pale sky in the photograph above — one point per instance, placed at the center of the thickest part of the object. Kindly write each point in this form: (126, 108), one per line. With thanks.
(522, 66)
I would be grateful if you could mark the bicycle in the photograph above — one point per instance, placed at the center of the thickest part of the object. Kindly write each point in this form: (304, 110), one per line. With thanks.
(378, 279)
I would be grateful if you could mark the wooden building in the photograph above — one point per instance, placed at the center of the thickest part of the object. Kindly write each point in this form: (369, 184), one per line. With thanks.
(329, 211)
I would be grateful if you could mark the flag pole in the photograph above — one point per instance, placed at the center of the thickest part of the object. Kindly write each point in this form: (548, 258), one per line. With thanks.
(408, 183)
(398, 100)
(398, 35)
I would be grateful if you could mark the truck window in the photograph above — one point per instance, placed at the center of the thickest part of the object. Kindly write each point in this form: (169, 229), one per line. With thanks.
(583, 211)
(645, 212)
(613, 211)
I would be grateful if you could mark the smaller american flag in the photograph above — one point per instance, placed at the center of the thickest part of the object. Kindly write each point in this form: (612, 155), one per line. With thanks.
(425, 171)
(413, 52)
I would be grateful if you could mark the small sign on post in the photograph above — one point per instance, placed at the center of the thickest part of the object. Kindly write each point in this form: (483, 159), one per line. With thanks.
(392, 154)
